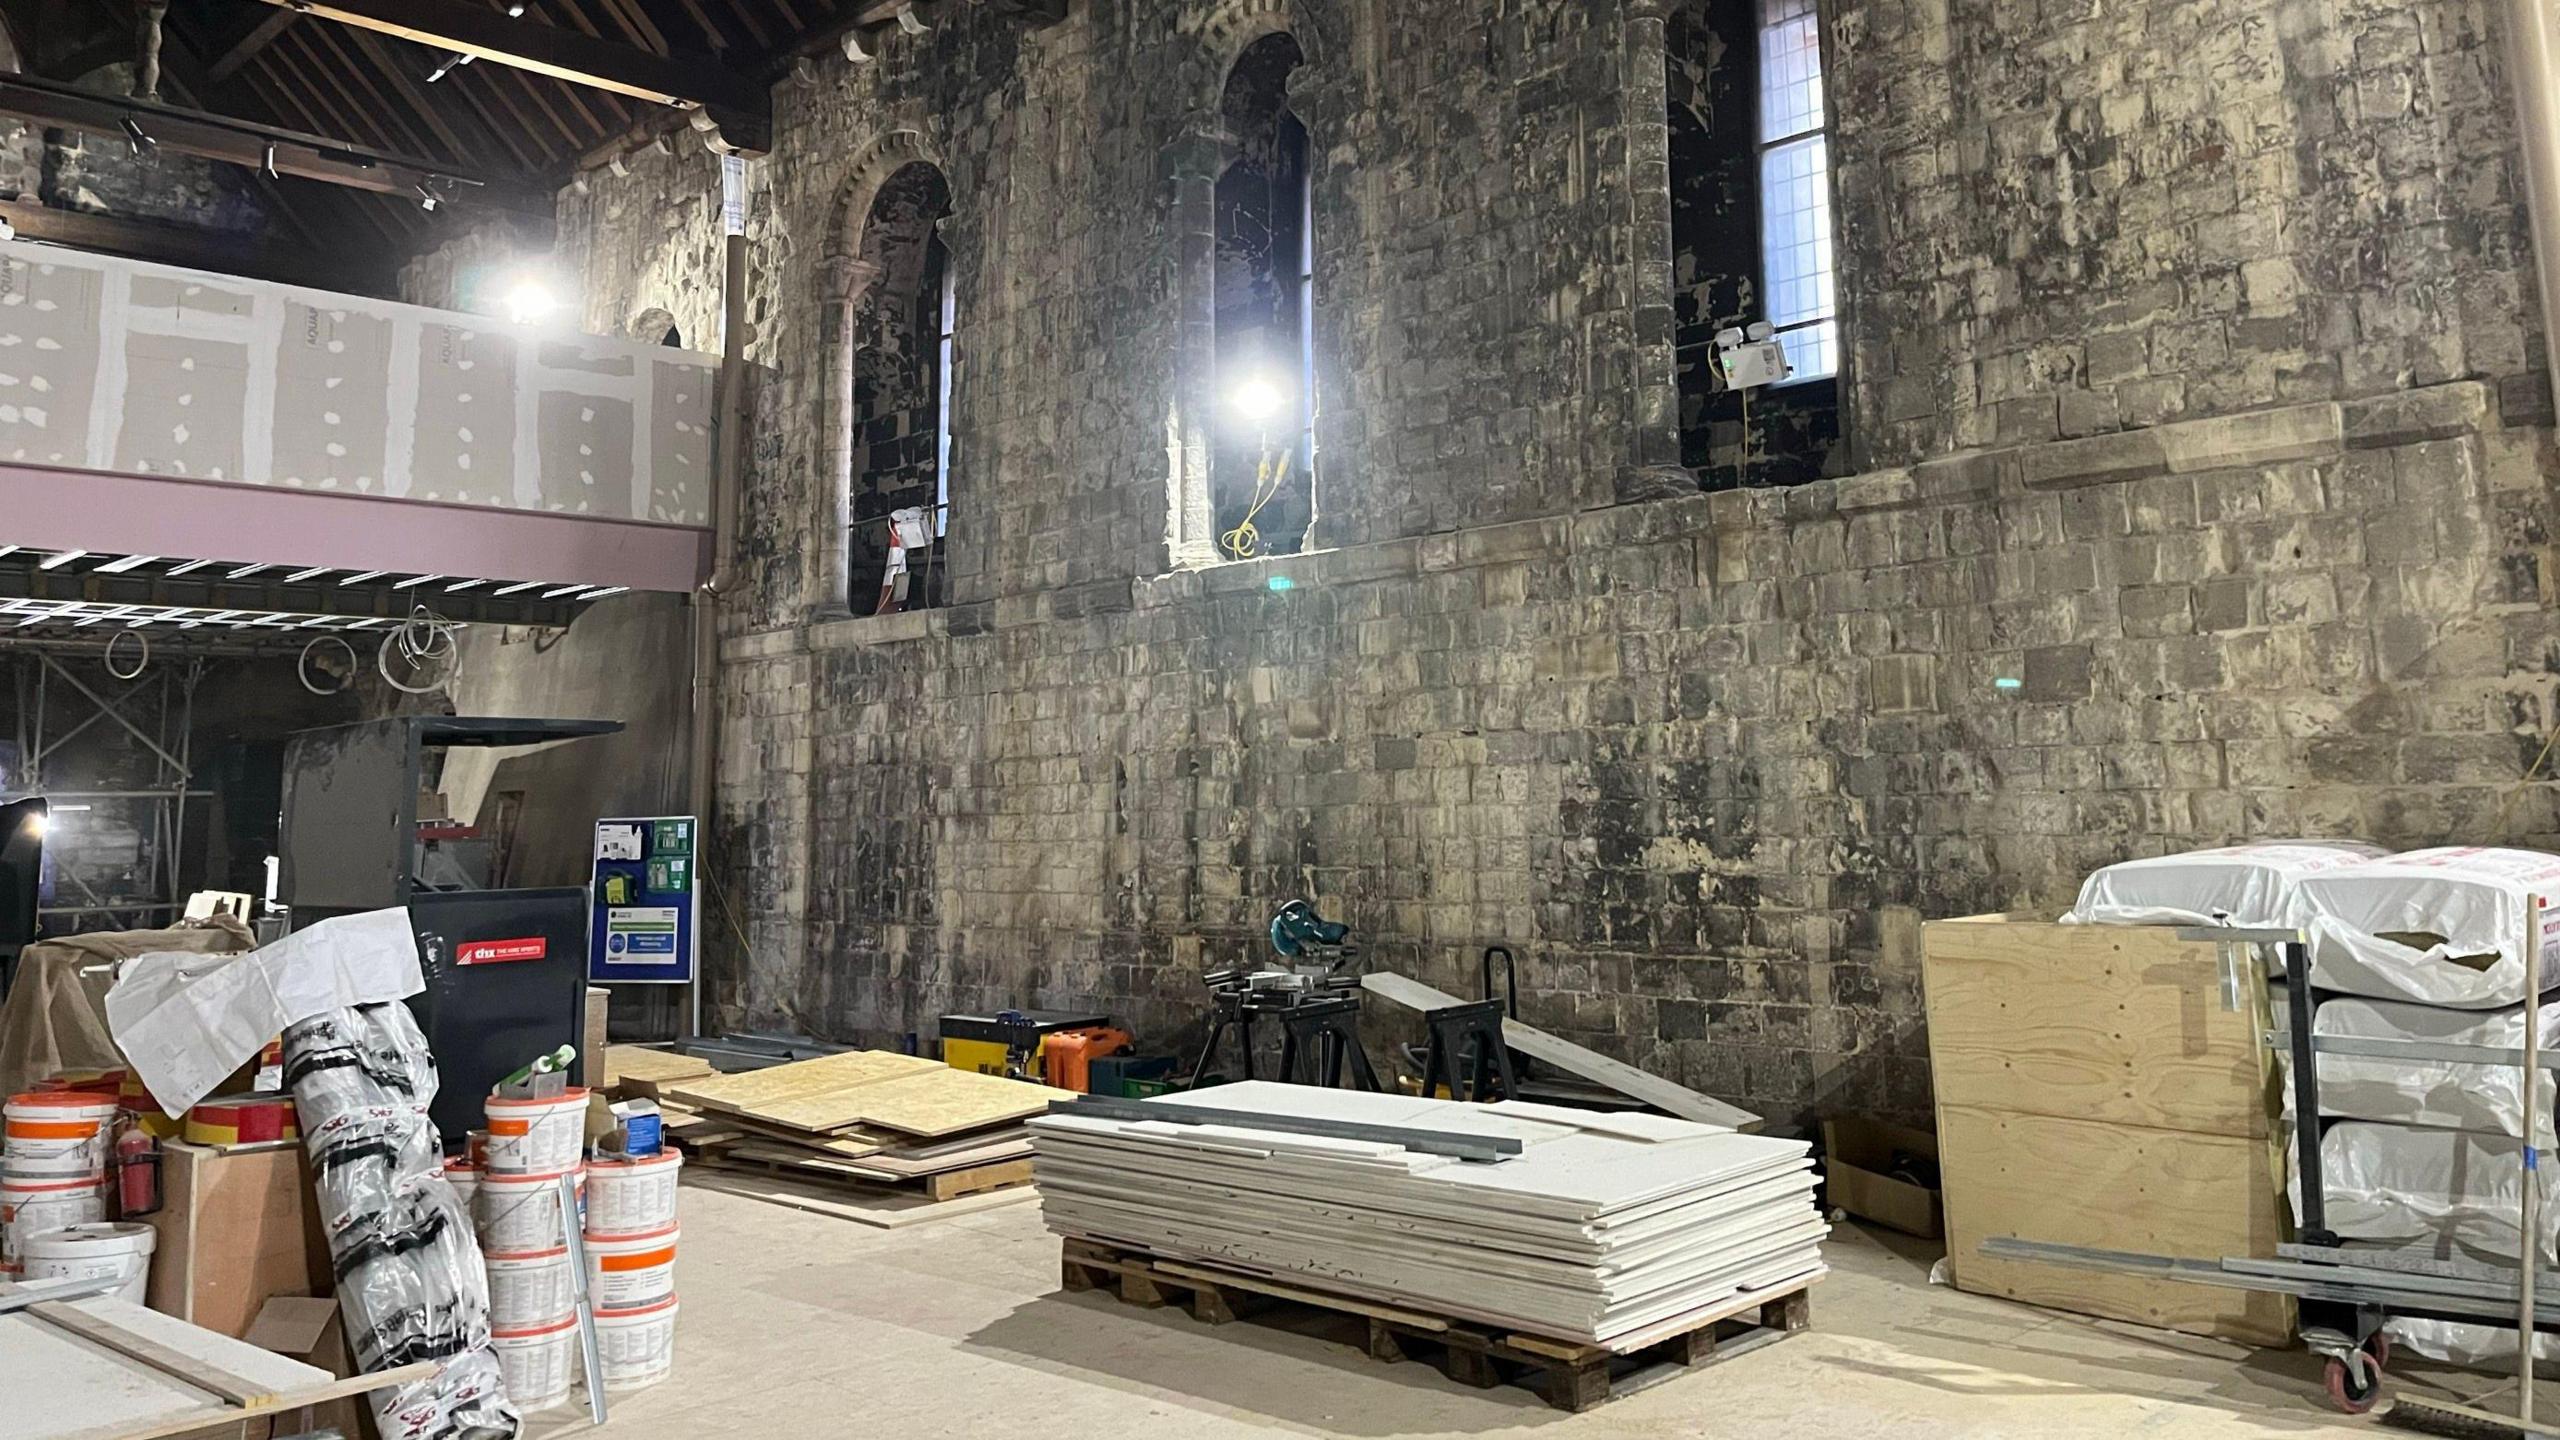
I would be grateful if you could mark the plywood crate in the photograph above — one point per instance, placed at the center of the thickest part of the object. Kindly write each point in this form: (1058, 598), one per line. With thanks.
(2094, 1088)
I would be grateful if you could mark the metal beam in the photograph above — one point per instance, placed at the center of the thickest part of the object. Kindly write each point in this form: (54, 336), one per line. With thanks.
(743, 108)
(246, 143)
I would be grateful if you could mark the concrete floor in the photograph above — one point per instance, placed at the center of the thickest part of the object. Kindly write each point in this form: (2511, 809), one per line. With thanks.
(802, 1325)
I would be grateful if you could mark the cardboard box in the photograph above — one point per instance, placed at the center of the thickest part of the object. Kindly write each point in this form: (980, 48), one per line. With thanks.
(1857, 1158)
(306, 1328)
(236, 1229)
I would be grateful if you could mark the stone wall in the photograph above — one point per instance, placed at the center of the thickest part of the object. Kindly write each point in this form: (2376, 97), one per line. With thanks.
(2192, 359)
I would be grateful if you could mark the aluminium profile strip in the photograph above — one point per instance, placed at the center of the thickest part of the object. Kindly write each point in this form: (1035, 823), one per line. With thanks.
(1480, 1149)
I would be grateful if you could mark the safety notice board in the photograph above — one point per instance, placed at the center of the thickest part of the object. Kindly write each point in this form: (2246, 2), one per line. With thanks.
(645, 893)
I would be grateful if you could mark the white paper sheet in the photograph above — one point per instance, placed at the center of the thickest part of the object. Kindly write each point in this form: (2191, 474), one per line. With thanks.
(2249, 886)
(187, 1021)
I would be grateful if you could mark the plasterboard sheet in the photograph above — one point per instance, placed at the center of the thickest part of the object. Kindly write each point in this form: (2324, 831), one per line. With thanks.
(1592, 1232)
(115, 364)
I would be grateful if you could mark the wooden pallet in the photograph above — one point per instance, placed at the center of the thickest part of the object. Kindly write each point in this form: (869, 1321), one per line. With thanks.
(1569, 1376)
(939, 1186)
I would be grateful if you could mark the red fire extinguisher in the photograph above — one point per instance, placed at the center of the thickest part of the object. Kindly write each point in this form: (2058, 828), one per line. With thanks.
(137, 1173)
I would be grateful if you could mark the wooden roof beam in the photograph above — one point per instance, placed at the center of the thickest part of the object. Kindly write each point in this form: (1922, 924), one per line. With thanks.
(245, 49)
(742, 107)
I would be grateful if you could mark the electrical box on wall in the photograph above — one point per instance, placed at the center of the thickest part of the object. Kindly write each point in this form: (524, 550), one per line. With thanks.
(1749, 359)
(645, 894)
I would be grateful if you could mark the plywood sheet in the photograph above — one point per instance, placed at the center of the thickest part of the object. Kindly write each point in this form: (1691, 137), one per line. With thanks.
(883, 1210)
(935, 1101)
(755, 1091)
(2082, 1182)
(2124, 1024)
(639, 1070)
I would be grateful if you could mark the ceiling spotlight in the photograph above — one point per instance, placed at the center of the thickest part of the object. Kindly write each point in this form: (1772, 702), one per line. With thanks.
(142, 143)
(911, 22)
(515, 12)
(427, 199)
(854, 49)
(1256, 398)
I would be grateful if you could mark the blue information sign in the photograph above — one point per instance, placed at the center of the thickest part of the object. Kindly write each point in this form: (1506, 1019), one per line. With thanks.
(645, 891)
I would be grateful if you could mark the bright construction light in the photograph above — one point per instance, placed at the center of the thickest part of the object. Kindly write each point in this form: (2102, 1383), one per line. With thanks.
(1256, 398)
(37, 824)
(530, 301)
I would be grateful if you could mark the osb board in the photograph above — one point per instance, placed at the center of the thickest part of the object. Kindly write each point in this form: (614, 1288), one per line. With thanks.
(642, 1070)
(935, 1101)
(2123, 1024)
(2115, 1187)
(756, 1091)
(851, 1144)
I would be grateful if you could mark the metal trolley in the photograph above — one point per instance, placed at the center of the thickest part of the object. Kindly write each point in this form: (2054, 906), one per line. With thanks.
(2345, 1295)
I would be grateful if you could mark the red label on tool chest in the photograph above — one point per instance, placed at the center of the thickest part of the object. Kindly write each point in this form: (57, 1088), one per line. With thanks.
(491, 952)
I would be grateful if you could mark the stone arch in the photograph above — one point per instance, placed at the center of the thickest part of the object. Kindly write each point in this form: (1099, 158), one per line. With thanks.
(1225, 33)
(844, 283)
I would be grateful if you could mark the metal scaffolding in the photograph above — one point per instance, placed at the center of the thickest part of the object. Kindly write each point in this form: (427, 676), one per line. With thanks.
(56, 706)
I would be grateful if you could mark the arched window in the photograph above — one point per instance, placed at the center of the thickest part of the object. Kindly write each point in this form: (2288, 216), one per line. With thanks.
(900, 442)
(1262, 438)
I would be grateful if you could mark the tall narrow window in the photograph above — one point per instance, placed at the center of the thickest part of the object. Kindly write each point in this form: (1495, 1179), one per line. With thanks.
(1262, 454)
(942, 400)
(1795, 189)
(900, 414)
(1751, 237)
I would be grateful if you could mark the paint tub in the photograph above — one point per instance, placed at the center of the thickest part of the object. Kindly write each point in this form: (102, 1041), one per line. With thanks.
(98, 1251)
(632, 1197)
(538, 1361)
(464, 1177)
(31, 1207)
(48, 1128)
(518, 1213)
(536, 1137)
(637, 1347)
(631, 1272)
(529, 1288)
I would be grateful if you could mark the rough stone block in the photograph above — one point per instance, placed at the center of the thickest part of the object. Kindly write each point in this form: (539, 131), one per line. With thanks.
(2259, 437)
(2058, 673)
(2405, 417)
(2095, 460)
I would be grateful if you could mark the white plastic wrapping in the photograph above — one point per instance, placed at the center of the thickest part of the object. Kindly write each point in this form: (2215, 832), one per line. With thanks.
(2249, 886)
(2440, 927)
(2400, 1185)
(409, 1274)
(2439, 1094)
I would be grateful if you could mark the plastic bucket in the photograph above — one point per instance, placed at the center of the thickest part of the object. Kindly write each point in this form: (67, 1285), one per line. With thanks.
(530, 1288)
(536, 1137)
(631, 1272)
(537, 1361)
(31, 1207)
(99, 1251)
(632, 1197)
(50, 1128)
(518, 1212)
(464, 1177)
(637, 1347)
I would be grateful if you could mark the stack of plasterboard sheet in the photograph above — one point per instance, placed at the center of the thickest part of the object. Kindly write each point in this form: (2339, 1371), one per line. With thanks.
(1607, 1229)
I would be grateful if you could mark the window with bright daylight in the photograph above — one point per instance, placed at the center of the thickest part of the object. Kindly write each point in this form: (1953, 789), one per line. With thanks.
(1795, 189)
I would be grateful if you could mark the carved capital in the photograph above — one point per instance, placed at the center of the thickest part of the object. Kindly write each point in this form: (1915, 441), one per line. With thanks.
(845, 279)
(1657, 11)
(1196, 154)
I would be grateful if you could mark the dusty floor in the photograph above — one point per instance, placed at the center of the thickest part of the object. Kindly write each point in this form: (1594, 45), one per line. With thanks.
(802, 1325)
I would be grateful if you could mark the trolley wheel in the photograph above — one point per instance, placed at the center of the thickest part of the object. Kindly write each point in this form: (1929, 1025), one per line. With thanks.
(2354, 1396)
(2379, 1347)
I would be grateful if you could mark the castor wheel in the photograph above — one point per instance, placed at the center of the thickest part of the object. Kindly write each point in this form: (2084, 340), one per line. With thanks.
(2355, 1381)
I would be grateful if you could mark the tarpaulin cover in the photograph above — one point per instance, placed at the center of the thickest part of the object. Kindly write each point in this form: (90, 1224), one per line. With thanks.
(2437, 1093)
(2402, 1185)
(54, 1020)
(2441, 927)
(2250, 886)
(411, 1283)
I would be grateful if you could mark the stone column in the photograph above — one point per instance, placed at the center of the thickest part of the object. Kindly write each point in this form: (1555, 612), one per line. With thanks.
(844, 283)
(1653, 468)
(1192, 163)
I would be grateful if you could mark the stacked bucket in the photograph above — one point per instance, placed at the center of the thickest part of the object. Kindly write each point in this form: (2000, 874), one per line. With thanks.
(53, 1168)
(514, 1185)
(630, 1240)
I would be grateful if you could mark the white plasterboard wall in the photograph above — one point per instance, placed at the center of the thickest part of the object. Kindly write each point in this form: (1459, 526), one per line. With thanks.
(113, 364)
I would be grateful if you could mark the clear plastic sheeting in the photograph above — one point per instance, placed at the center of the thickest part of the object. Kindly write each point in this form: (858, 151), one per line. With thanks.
(2400, 1185)
(2441, 1094)
(410, 1280)
(2249, 886)
(2440, 927)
